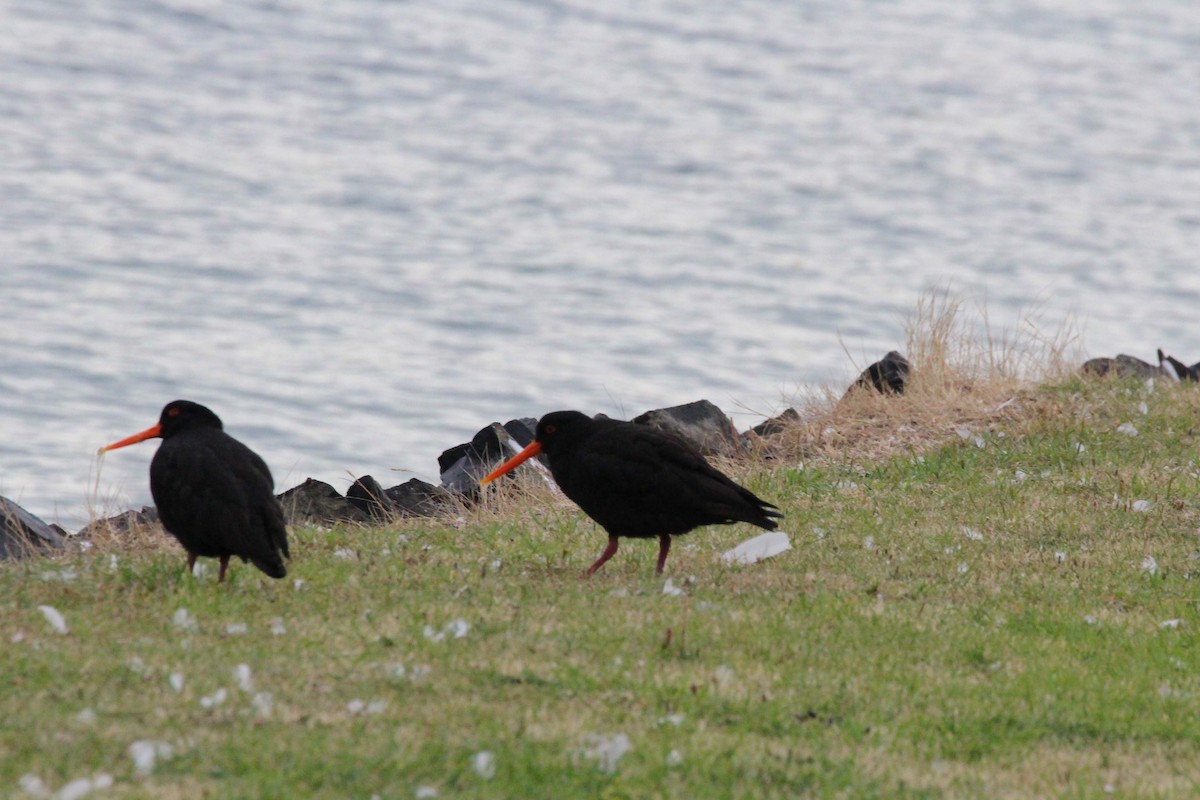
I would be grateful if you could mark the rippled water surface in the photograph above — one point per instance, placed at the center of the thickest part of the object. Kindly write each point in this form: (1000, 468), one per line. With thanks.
(362, 230)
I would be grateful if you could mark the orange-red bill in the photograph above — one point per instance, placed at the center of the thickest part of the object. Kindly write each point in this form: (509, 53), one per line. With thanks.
(520, 458)
(149, 433)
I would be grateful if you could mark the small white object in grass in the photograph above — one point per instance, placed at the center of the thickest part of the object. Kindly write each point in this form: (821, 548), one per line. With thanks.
(972, 534)
(245, 681)
(298, 584)
(674, 758)
(176, 681)
(1141, 505)
(964, 433)
(66, 575)
(345, 553)
(86, 717)
(1090, 619)
(869, 543)
(419, 672)
(277, 628)
(33, 786)
(1177, 662)
(846, 485)
(215, 699)
(112, 561)
(963, 568)
(84, 546)
(669, 588)
(54, 617)
(1150, 564)
(184, 620)
(753, 550)
(723, 674)
(1170, 623)
(483, 764)
(456, 628)
(672, 719)
(136, 665)
(820, 533)
(608, 750)
(1019, 476)
(146, 753)
(78, 788)
(356, 706)
(1142, 407)
(263, 702)
(1127, 428)
(1060, 556)
(236, 628)
(496, 564)
(200, 569)
(426, 792)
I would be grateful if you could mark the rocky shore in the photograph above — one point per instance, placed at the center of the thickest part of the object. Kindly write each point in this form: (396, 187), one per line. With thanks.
(461, 467)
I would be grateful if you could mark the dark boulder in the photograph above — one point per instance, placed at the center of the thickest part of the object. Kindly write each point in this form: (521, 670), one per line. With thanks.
(368, 496)
(777, 425)
(888, 375)
(701, 424)
(1123, 366)
(319, 503)
(416, 498)
(464, 465)
(123, 522)
(1183, 371)
(22, 534)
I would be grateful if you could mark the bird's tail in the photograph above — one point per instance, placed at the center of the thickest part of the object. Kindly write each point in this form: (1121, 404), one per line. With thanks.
(767, 516)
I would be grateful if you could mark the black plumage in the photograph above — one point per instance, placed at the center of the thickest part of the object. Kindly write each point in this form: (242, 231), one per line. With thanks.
(637, 481)
(214, 494)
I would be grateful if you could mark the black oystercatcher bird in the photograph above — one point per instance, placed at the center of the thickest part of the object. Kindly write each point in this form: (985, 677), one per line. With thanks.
(637, 481)
(214, 494)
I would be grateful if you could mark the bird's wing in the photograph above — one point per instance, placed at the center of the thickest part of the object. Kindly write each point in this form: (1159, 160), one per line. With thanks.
(210, 492)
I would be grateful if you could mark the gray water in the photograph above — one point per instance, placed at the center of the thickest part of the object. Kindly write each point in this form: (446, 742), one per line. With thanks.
(362, 230)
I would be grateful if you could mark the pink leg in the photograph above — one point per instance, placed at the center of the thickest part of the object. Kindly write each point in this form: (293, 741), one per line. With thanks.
(605, 556)
(224, 566)
(191, 563)
(664, 547)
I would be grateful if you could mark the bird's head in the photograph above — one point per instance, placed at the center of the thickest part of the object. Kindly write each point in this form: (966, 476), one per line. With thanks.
(555, 431)
(176, 417)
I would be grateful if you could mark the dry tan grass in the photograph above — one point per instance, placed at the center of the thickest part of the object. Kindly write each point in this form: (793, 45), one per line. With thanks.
(966, 378)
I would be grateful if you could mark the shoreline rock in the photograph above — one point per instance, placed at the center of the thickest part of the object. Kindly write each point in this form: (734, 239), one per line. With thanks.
(23, 534)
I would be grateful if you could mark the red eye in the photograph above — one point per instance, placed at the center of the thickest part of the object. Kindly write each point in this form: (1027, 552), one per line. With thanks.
(173, 412)
(549, 429)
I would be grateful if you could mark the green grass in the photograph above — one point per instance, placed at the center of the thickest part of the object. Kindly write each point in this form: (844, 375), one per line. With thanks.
(943, 628)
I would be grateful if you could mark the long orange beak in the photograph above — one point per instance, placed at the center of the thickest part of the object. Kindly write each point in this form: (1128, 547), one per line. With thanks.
(149, 433)
(520, 458)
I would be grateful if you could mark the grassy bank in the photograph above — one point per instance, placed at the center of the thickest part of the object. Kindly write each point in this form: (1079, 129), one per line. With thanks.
(991, 594)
